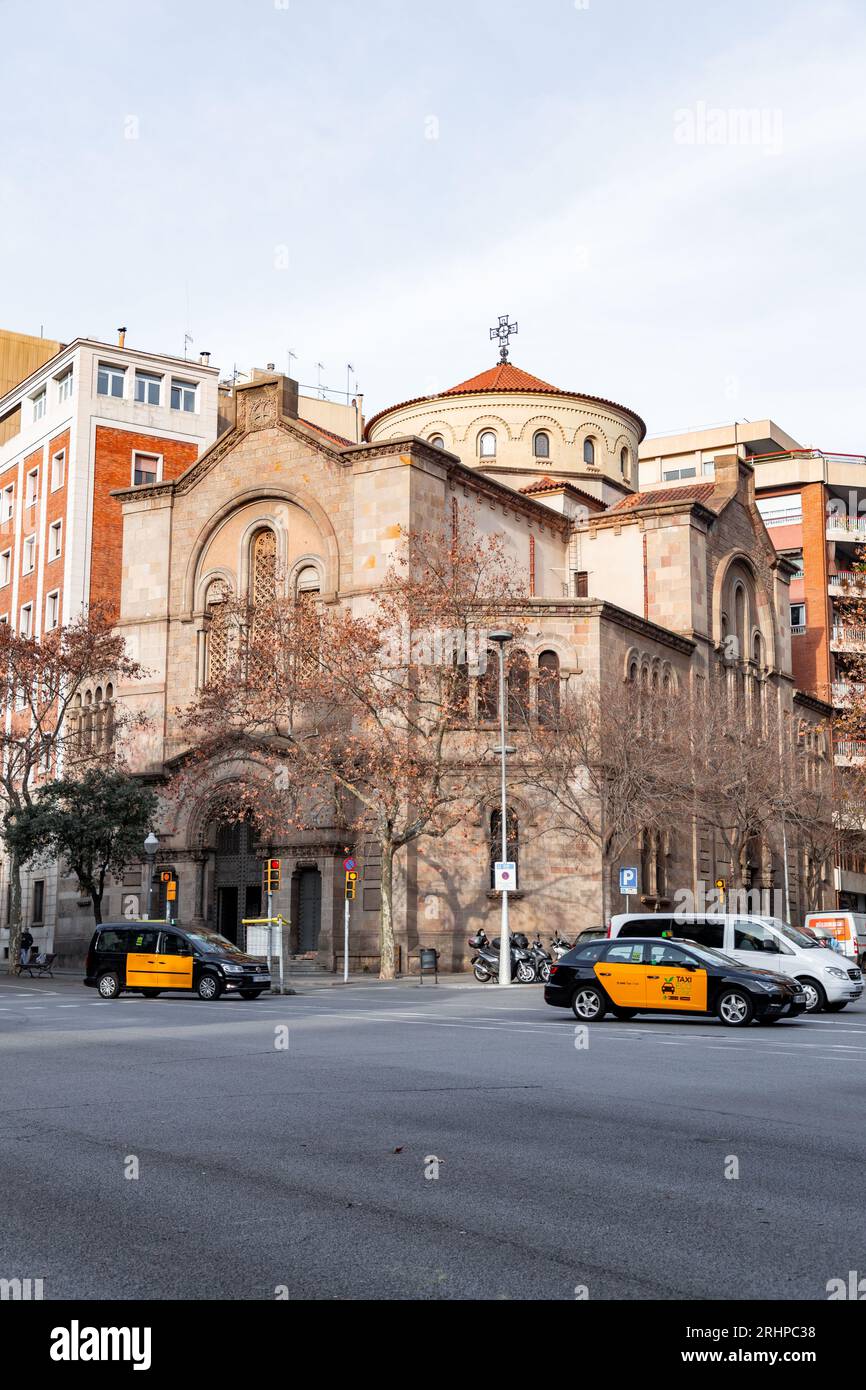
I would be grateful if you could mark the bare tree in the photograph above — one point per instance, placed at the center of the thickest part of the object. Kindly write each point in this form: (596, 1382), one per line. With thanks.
(607, 766)
(41, 679)
(360, 716)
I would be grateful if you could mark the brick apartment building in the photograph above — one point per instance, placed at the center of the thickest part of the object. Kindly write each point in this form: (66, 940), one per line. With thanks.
(87, 418)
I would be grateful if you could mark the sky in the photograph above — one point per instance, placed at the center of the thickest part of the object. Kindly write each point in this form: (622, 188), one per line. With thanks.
(667, 197)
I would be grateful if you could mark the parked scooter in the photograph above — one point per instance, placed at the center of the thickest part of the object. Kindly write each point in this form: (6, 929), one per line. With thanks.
(541, 959)
(559, 946)
(485, 964)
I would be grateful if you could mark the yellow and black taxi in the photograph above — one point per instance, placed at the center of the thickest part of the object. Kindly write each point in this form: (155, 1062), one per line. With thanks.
(151, 958)
(670, 977)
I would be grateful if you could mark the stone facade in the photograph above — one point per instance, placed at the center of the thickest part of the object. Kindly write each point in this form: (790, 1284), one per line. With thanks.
(658, 571)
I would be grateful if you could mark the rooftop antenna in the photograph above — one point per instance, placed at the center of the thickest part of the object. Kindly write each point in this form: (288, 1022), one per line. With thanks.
(321, 367)
(349, 371)
(292, 357)
(188, 341)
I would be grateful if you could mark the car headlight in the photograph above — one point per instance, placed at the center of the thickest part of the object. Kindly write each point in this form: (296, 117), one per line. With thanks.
(841, 974)
(768, 985)
(233, 969)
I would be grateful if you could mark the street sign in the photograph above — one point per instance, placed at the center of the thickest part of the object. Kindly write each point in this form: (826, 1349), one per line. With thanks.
(505, 877)
(349, 865)
(628, 881)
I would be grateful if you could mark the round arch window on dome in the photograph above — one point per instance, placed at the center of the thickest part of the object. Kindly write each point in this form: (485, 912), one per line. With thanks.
(589, 452)
(437, 440)
(487, 444)
(623, 462)
(308, 583)
(541, 445)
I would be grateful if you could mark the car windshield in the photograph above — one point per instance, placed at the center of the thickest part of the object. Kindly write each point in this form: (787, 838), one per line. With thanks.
(799, 938)
(214, 945)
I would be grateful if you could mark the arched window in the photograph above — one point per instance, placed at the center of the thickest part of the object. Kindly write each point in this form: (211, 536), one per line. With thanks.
(512, 834)
(216, 632)
(263, 588)
(541, 445)
(623, 462)
(548, 688)
(487, 444)
(488, 690)
(307, 584)
(757, 651)
(740, 620)
(518, 688)
(437, 440)
(589, 452)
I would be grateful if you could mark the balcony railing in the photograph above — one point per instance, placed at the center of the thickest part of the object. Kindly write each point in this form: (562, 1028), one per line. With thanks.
(793, 518)
(852, 748)
(846, 691)
(848, 637)
(847, 579)
(850, 525)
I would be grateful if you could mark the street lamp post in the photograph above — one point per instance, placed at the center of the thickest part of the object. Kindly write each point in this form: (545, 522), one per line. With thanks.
(501, 638)
(151, 845)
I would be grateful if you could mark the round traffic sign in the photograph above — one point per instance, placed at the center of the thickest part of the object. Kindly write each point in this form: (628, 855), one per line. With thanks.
(348, 865)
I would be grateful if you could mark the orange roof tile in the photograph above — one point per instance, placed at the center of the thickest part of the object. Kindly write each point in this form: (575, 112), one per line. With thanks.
(548, 484)
(328, 434)
(693, 492)
(506, 377)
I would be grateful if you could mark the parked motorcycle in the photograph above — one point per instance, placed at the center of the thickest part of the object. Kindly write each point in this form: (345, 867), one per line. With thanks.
(559, 946)
(485, 963)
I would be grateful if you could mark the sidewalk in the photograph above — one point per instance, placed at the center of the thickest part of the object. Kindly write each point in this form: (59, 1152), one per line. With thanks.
(301, 981)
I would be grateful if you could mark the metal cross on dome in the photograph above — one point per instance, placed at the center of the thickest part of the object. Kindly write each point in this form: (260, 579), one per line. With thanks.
(503, 333)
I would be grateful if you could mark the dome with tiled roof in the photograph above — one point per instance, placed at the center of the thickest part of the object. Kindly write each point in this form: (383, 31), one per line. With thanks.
(516, 427)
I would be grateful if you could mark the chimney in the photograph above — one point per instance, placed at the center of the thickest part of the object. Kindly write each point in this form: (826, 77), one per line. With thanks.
(204, 359)
(271, 367)
(121, 337)
(734, 476)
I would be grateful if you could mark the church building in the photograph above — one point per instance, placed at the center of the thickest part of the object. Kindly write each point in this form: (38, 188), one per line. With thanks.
(620, 586)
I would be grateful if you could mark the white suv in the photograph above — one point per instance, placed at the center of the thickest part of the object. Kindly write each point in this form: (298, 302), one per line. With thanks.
(829, 979)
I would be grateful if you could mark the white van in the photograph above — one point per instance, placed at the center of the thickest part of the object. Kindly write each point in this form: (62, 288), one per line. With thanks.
(848, 930)
(829, 979)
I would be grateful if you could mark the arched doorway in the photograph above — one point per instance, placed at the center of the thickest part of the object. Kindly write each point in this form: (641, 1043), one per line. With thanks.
(237, 877)
(309, 909)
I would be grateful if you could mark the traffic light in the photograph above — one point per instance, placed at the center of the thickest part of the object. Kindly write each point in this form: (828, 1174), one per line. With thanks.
(351, 885)
(273, 869)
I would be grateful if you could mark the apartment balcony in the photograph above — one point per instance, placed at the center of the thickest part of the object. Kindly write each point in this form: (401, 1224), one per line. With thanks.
(848, 639)
(850, 752)
(845, 581)
(845, 528)
(845, 692)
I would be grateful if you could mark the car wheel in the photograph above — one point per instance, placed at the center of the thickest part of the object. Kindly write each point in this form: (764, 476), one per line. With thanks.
(108, 985)
(589, 1004)
(836, 1008)
(624, 1014)
(250, 993)
(816, 999)
(209, 987)
(735, 1008)
(526, 973)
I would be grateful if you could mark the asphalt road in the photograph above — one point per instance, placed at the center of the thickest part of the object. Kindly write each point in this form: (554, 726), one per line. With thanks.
(264, 1167)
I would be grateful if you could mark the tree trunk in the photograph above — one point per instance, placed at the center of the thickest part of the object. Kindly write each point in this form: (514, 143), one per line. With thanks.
(96, 899)
(387, 951)
(14, 914)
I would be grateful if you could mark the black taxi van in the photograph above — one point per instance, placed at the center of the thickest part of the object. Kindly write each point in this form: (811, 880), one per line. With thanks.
(150, 958)
(671, 977)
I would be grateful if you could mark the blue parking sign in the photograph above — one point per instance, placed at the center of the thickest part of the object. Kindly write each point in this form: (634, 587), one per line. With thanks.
(628, 881)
